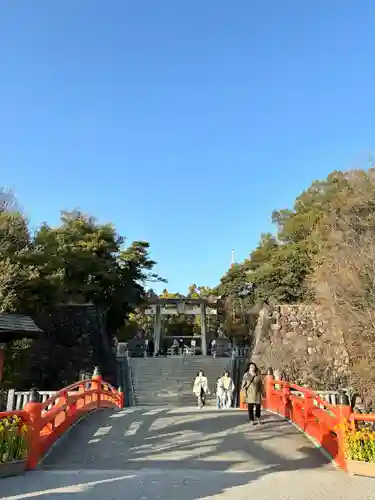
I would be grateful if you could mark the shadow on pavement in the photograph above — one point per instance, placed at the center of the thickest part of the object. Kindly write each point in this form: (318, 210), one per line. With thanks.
(172, 455)
(201, 441)
(129, 485)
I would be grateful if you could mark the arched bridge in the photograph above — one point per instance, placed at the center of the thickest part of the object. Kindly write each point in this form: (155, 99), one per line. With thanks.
(85, 443)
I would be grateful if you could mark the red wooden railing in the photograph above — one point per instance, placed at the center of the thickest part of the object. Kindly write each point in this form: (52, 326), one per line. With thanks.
(47, 421)
(323, 422)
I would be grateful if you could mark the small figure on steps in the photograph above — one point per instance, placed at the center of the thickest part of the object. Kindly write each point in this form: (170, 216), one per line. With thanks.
(193, 345)
(174, 347)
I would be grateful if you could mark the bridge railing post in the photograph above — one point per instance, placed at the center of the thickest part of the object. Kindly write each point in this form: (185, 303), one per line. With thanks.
(308, 409)
(10, 400)
(287, 409)
(269, 388)
(122, 398)
(344, 411)
(34, 409)
(97, 385)
(243, 404)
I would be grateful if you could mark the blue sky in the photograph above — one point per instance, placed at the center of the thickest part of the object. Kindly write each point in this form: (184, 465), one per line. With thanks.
(183, 122)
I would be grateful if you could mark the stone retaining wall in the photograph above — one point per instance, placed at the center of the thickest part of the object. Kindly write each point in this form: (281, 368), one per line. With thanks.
(298, 340)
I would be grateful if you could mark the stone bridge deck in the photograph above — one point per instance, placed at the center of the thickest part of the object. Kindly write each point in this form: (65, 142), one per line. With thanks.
(185, 454)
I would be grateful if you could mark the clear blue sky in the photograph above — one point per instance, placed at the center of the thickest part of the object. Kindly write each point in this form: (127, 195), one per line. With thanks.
(183, 122)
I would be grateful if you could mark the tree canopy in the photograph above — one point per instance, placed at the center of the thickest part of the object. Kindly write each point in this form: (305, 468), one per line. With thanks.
(80, 261)
(322, 252)
(279, 266)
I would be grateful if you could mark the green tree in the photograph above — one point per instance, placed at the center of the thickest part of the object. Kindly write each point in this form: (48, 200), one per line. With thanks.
(15, 242)
(193, 292)
(86, 263)
(277, 270)
(280, 264)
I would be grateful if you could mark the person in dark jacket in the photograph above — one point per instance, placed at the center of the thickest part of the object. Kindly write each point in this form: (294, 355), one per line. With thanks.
(252, 386)
(150, 348)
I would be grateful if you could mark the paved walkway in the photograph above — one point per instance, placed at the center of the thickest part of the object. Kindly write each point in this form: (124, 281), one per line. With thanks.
(185, 454)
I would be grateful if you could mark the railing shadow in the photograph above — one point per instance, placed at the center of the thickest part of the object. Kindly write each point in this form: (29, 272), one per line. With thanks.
(166, 486)
(142, 465)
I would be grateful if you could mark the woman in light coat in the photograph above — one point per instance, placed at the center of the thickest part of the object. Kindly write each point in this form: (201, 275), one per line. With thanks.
(225, 390)
(200, 388)
(252, 386)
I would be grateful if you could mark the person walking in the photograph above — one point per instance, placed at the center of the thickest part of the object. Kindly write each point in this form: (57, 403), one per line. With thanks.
(200, 388)
(150, 348)
(252, 386)
(175, 347)
(219, 393)
(213, 348)
(181, 347)
(193, 345)
(226, 386)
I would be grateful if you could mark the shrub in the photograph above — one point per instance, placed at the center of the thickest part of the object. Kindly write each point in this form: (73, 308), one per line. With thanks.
(360, 443)
(13, 439)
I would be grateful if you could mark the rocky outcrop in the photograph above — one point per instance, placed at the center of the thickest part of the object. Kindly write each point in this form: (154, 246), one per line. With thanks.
(299, 341)
(262, 326)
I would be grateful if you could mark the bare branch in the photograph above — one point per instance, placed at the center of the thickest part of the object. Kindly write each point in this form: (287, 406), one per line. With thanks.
(8, 201)
(344, 285)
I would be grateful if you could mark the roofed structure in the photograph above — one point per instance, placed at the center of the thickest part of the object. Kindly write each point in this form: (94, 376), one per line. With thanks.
(175, 300)
(17, 326)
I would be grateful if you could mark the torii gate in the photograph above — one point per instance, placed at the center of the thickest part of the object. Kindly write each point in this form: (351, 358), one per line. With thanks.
(195, 307)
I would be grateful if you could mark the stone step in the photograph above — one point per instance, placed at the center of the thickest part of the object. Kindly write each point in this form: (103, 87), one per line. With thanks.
(172, 376)
(181, 400)
(168, 404)
(169, 381)
(187, 389)
(193, 362)
(169, 368)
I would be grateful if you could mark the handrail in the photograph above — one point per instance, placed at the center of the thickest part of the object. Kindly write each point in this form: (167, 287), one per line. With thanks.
(47, 421)
(16, 400)
(131, 384)
(307, 392)
(364, 417)
(323, 422)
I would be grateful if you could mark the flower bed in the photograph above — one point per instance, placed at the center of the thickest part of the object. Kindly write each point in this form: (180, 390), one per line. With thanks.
(14, 442)
(360, 448)
(360, 443)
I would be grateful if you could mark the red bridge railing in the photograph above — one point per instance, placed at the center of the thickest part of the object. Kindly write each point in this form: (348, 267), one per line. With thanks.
(47, 421)
(324, 423)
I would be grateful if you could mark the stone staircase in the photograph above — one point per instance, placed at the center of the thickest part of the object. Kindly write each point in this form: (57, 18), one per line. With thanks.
(168, 381)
